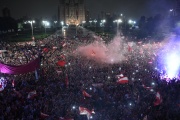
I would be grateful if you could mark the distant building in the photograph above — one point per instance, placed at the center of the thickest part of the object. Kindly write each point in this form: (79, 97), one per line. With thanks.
(177, 8)
(71, 12)
(87, 17)
(6, 12)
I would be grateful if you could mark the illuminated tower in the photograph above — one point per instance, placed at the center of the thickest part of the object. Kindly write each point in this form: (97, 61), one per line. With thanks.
(72, 12)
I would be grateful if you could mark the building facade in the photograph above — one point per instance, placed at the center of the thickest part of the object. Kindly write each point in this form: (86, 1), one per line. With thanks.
(71, 12)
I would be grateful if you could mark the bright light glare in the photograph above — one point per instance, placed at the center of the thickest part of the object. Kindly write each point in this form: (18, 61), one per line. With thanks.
(74, 107)
(173, 64)
(46, 23)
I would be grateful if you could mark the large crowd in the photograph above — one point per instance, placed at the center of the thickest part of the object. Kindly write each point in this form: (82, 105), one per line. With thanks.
(59, 88)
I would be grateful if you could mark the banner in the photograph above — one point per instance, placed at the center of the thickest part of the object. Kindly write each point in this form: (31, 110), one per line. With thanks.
(22, 69)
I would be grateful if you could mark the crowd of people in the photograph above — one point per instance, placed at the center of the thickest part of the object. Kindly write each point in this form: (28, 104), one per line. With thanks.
(57, 92)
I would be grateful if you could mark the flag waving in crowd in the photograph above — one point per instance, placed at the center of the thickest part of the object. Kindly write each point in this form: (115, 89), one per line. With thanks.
(148, 88)
(158, 100)
(85, 111)
(85, 94)
(32, 94)
(123, 80)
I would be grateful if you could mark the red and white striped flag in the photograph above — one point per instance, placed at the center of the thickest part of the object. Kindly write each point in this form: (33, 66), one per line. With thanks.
(123, 80)
(85, 111)
(85, 94)
(158, 99)
(148, 88)
(64, 44)
(32, 94)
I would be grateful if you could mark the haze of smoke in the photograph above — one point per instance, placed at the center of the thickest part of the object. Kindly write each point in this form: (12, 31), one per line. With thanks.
(111, 53)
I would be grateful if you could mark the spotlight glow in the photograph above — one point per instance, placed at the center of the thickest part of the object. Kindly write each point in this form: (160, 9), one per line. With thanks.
(173, 65)
(169, 59)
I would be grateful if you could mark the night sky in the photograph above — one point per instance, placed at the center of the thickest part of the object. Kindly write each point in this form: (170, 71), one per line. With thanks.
(48, 8)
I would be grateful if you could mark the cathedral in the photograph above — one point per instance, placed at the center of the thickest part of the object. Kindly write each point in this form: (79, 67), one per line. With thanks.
(71, 12)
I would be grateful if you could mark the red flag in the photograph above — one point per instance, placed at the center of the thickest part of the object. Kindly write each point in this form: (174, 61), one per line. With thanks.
(44, 116)
(67, 81)
(32, 94)
(123, 80)
(46, 50)
(61, 63)
(85, 111)
(148, 88)
(158, 99)
(85, 94)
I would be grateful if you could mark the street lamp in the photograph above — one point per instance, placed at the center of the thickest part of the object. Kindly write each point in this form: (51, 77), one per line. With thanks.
(46, 23)
(171, 10)
(118, 21)
(103, 21)
(90, 22)
(62, 23)
(55, 22)
(31, 22)
(95, 24)
(83, 22)
(131, 22)
(62, 28)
